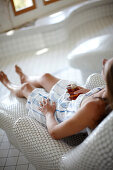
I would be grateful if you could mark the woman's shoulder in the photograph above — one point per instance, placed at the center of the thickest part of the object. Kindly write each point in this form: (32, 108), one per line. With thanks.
(96, 103)
(93, 104)
(94, 109)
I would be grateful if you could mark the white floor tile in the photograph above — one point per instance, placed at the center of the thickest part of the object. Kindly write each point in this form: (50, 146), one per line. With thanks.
(3, 153)
(5, 145)
(2, 161)
(13, 152)
(10, 168)
(12, 147)
(31, 167)
(22, 167)
(22, 160)
(5, 138)
(11, 161)
(1, 138)
(1, 132)
(21, 154)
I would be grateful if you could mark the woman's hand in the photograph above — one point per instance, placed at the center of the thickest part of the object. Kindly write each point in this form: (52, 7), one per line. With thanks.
(47, 107)
(82, 91)
(76, 91)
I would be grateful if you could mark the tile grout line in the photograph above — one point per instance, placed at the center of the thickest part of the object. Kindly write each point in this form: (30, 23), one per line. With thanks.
(28, 167)
(18, 159)
(7, 157)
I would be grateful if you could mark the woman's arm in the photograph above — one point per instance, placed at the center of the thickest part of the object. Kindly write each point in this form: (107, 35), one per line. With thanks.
(82, 119)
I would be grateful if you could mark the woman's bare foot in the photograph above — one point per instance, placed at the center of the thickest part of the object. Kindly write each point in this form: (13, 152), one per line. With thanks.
(4, 79)
(16, 90)
(33, 80)
(23, 78)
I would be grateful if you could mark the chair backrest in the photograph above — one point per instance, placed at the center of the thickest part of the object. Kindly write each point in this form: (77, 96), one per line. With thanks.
(94, 80)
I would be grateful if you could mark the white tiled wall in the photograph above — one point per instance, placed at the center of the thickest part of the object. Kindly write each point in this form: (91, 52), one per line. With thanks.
(75, 26)
(30, 40)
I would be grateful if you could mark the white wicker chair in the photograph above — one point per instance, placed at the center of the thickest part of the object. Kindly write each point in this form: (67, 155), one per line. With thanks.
(96, 152)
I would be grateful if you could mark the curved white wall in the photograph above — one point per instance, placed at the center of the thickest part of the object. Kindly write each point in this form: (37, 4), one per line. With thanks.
(72, 28)
(9, 21)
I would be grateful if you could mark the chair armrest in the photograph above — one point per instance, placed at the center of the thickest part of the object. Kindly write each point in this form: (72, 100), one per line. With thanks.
(96, 152)
(36, 144)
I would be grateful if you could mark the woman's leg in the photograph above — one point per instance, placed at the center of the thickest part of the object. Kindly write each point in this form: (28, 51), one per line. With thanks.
(46, 81)
(20, 91)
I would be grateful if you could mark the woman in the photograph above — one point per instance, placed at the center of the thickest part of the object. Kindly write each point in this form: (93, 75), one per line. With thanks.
(85, 112)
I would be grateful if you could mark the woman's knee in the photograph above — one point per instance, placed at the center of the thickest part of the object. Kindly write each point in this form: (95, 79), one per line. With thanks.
(46, 76)
(27, 86)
